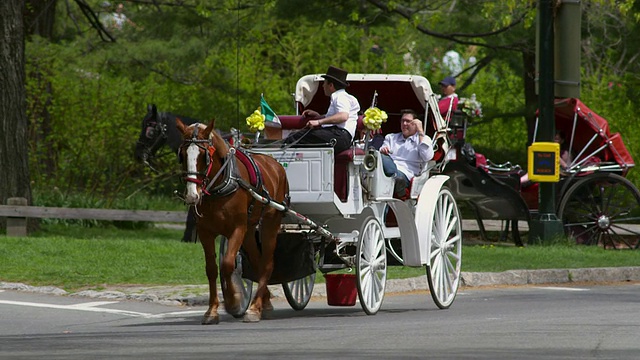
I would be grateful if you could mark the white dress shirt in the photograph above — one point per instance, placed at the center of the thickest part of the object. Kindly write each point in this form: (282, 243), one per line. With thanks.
(342, 101)
(409, 154)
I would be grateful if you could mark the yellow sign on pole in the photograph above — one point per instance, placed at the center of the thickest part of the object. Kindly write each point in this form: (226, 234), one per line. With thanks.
(544, 162)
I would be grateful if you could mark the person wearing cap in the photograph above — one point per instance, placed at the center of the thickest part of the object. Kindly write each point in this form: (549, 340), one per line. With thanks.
(339, 123)
(404, 153)
(449, 101)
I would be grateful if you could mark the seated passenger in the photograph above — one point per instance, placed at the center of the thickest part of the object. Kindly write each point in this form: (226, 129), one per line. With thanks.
(404, 153)
(565, 154)
(341, 120)
(448, 103)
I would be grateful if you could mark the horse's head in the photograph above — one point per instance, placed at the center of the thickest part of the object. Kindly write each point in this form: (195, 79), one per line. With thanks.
(201, 155)
(152, 136)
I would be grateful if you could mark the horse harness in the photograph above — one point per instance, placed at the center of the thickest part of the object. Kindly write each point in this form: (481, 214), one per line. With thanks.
(231, 179)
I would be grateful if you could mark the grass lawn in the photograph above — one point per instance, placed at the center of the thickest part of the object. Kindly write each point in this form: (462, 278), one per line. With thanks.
(74, 258)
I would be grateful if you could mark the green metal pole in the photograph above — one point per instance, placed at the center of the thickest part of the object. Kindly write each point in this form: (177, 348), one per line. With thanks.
(547, 225)
(566, 45)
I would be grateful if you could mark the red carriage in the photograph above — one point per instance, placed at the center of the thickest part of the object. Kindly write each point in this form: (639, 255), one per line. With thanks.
(596, 203)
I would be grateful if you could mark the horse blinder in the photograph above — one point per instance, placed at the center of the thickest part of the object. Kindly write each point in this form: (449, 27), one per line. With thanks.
(209, 151)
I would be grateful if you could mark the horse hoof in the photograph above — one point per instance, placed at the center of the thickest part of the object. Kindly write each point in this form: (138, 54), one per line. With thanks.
(210, 320)
(251, 317)
(268, 307)
(234, 311)
(235, 308)
(267, 310)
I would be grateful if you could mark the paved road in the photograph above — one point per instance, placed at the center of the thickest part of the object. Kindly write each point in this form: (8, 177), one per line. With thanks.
(525, 322)
(198, 294)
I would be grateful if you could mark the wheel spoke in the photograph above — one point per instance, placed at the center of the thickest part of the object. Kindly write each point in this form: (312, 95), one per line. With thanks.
(613, 235)
(569, 224)
(618, 226)
(448, 269)
(450, 242)
(453, 222)
(444, 279)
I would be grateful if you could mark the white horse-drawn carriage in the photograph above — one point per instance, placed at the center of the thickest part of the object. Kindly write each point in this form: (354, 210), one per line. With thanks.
(343, 214)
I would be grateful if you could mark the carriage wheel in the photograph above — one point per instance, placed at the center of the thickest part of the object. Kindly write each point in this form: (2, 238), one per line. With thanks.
(371, 266)
(245, 285)
(298, 292)
(602, 209)
(445, 254)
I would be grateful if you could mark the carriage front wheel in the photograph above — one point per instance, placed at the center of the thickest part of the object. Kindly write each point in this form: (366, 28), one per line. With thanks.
(245, 285)
(445, 253)
(602, 209)
(371, 266)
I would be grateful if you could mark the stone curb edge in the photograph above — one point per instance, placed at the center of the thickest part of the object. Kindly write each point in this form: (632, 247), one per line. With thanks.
(197, 295)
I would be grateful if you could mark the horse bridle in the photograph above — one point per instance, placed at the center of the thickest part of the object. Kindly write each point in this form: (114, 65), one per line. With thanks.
(158, 136)
(228, 184)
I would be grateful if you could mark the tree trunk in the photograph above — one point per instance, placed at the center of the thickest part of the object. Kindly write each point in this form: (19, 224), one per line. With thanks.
(14, 160)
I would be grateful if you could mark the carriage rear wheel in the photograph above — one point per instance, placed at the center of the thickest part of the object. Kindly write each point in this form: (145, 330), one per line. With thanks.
(445, 254)
(371, 266)
(298, 292)
(245, 285)
(602, 209)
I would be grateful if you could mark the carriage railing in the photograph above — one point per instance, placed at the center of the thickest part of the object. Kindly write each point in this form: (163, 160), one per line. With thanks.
(504, 168)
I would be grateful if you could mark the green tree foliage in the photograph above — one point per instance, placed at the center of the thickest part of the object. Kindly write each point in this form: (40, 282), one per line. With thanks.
(212, 59)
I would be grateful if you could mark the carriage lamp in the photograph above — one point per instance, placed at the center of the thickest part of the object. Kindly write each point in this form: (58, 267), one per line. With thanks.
(544, 162)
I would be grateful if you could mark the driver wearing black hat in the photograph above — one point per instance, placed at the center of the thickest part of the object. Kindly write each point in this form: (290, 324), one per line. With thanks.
(339, 123)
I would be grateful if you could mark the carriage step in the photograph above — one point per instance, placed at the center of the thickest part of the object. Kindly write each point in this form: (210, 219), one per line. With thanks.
(345, 238)
(325, 268)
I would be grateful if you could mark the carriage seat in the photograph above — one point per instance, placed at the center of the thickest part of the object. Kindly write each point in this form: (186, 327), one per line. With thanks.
(341, 171)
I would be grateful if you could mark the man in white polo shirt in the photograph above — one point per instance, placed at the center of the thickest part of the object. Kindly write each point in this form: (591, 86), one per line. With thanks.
(339, 123)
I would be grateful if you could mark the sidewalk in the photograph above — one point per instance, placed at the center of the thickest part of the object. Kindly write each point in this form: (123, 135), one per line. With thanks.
(198, 295)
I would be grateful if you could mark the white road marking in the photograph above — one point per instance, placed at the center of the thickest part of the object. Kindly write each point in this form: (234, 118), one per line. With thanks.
(77, 307)
(560, 288)
(177, 313)
(92, 304)
(91, 307)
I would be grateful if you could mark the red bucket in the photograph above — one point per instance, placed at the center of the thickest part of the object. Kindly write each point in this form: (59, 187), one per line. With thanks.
(341, 289)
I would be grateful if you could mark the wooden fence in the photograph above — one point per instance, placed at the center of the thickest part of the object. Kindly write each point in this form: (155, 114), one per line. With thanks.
(16, 211)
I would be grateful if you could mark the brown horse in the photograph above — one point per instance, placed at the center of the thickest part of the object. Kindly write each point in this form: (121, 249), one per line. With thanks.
(226, 191)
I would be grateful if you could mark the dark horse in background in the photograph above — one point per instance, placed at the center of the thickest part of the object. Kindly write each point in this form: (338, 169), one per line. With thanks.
(159, 129)
(231, 191)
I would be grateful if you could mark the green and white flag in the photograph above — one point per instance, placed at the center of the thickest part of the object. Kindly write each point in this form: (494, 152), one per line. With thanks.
(270, 117)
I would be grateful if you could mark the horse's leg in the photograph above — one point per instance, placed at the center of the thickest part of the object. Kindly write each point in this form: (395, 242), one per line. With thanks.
(231, 292)
(190, 226)
(208, 241)
(268, 233)
(254, 254)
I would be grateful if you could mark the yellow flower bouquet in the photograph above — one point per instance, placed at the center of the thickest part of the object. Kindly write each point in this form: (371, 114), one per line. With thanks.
(255, 121)
(373, 118)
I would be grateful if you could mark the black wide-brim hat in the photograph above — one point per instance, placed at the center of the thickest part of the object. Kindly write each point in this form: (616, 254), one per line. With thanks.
(336, 74)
